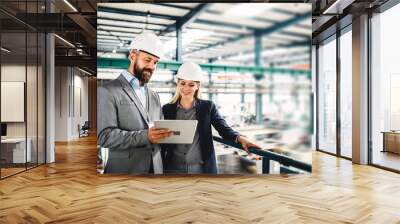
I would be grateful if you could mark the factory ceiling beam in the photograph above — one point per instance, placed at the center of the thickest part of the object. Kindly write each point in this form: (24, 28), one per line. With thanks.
(186, 19)
(227, 56)
(274, 60)
(294, 34)
(289, 45)
(110, 27)
(284, 11)
(117, 35)
(280, 26)
(223, 24)
(173, 6)
(218, 13)
(127, 20)
(242, 27)
(272, 21)
(276, 28)
(137, 13)
(122, 63)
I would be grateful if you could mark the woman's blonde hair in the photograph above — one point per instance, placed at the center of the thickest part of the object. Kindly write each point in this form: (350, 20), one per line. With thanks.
(177, 96)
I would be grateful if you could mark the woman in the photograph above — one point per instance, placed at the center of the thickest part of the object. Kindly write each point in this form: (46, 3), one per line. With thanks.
(198, 157)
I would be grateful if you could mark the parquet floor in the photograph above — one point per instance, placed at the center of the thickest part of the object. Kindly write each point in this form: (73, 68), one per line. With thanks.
(70, 191)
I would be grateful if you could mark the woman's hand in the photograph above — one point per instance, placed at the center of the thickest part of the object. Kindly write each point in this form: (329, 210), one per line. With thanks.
(246, 143)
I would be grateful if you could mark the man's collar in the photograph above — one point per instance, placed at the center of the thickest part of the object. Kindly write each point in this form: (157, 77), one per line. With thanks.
(131, 78)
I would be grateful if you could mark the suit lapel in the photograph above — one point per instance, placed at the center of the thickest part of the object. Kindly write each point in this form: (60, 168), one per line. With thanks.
(132, 95)
(147, 100)
(198, 110)
(173, 111)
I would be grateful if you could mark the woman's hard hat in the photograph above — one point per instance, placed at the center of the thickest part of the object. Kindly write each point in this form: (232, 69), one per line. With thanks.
(189, 71)
(149, 43)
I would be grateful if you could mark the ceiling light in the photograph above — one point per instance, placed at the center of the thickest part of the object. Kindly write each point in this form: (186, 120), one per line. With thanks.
(64, 40)
(193, 35)
(70, 5)
(114, 51)
(5, 49)
(337, 7)
(187, 37)
(247, 10)
(86, 72)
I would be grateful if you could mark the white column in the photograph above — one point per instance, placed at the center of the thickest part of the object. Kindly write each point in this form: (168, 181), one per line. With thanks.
(50, 92)
(360, 90)
(50, 98)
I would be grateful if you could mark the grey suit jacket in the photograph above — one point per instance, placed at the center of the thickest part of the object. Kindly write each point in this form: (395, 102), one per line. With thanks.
(122, 126)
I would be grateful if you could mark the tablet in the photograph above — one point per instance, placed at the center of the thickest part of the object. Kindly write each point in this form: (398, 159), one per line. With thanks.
(183, 130)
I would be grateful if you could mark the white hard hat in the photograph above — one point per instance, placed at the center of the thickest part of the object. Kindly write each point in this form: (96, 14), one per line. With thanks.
(189, 71)
(149, 43)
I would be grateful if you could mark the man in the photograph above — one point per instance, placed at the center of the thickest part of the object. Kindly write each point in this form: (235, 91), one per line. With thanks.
(126, 110)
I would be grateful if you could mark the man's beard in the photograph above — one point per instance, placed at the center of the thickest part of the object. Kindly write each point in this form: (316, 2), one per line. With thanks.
(143, 75)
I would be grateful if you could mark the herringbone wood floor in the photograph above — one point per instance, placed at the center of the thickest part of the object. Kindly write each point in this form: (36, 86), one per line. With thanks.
(70, 191)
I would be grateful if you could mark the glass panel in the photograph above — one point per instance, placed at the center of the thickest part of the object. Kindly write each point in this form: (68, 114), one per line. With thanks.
(346, 94)
(22, 78)
(314, 94)
(31, 98)
(41, 98)
(13, 87)
(327, 97)
(385, 89)
(32, 86)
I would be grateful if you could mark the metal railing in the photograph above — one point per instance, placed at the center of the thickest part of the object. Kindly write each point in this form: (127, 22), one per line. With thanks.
(286, 162)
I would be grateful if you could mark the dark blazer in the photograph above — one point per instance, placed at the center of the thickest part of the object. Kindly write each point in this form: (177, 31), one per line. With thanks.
(207, 115)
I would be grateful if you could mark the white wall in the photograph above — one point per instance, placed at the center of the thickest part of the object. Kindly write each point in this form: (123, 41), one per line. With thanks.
(12, 73)
(70, 83)
(33, 126)
(80, 109)
(61, 103)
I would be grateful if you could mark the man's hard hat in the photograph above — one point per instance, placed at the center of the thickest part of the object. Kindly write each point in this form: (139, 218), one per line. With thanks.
(149, 43)
(189, 71)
